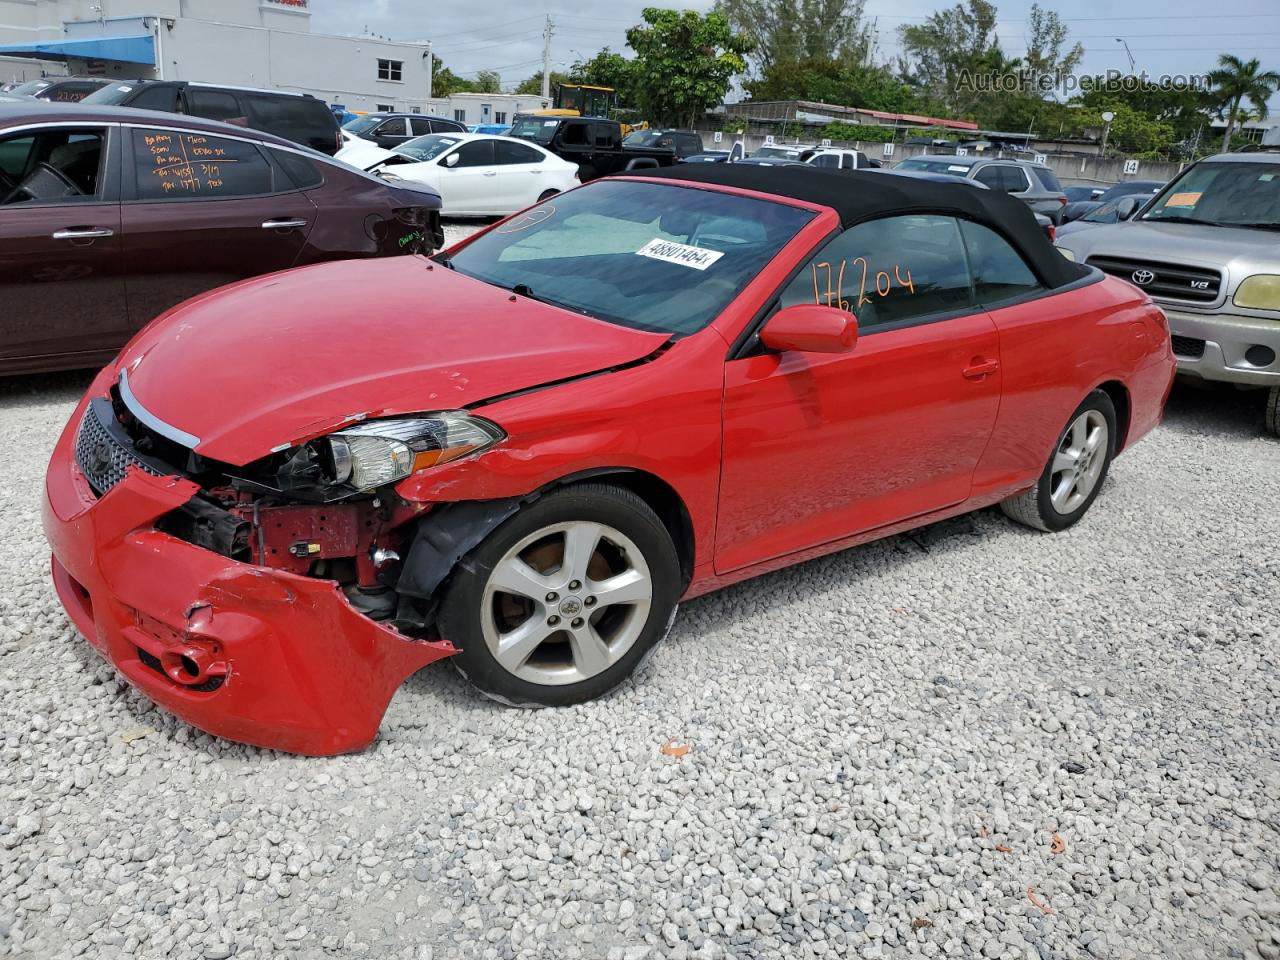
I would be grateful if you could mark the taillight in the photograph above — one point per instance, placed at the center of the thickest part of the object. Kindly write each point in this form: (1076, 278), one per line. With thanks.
(337, 143)
(1051, 231)
(1062, 200)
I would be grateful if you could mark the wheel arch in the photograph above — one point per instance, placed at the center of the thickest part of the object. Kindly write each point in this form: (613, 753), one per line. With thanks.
(1119, 394)
(452, 530)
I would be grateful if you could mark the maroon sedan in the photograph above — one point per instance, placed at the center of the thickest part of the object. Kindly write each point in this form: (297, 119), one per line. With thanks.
(109, 216)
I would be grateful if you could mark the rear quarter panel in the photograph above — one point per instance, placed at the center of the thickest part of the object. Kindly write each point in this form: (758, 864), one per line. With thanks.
(1054, 351)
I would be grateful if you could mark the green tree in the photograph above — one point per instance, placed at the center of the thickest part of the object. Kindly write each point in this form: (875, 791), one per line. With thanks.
(785, 31)
(1238, 80)
(487, 81)
(952, 44)
(444, 81)
(684, 63)
(836, 82)
(1131, 132)
(1181, 107)
(1046, 61)
(608, 69)
(533, 85)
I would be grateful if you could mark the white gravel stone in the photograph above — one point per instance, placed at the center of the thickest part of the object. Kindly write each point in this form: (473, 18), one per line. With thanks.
(879, 736)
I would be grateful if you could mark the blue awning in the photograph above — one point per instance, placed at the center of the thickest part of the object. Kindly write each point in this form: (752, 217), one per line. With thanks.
(121, 49)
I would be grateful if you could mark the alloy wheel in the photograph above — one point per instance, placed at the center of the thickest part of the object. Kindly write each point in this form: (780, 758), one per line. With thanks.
(1078, 462)
(566, 602)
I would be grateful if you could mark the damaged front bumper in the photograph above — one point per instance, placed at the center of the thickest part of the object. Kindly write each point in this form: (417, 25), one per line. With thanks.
(254, 654)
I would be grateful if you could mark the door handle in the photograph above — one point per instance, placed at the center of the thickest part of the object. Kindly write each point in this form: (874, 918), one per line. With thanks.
(980, 369)
(83, 233)
(283, 224)
(491, 173)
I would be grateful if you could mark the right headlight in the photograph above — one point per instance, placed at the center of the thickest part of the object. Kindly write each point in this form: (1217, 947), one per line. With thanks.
(373, 454)
(1259, 292)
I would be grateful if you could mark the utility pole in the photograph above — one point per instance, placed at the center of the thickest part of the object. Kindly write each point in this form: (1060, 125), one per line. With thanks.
(546, 57)
(1133, 66)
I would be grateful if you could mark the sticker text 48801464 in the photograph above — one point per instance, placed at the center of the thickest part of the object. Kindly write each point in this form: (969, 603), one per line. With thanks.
(881, 284)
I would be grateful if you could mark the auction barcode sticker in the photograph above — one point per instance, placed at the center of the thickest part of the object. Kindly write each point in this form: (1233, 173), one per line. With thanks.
(686, 256)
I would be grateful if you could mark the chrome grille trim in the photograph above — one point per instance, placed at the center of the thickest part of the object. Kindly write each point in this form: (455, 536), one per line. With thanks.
(102, 458)
(150, 420)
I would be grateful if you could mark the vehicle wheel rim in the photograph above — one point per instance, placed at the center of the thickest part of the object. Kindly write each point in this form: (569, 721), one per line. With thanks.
(566, 603)
(1078, 462)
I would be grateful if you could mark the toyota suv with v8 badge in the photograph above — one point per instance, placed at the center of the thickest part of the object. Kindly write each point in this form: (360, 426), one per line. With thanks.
(1207, 250)
(522, 453)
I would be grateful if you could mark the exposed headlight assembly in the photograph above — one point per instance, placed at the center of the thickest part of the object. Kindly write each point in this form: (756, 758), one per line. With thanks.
(1259, 292)
(369, 455)
(379, 452)
(1065, 252)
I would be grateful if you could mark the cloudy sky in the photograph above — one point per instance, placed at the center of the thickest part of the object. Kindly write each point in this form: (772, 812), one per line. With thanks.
(1165, 36)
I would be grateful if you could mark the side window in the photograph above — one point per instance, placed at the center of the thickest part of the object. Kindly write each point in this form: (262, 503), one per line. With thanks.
(888, 271)
(603, 134)
(991, 176)
(159, 96)
(395, 127)
(827, 160)
(506, 151)
(1014, 179)
(52, 166)
(212, 104)
(420, 127)
(302, 171)
(195, 166)
(999, 272)
(475, 153)
(575, 134)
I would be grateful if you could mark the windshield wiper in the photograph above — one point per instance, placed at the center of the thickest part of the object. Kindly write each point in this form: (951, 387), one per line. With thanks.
(1181, 219)
(1253, 226)
(444, 261)
(524, 290)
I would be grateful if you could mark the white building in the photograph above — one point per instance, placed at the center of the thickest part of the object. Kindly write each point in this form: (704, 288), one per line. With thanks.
(256, 43)
(473, 108)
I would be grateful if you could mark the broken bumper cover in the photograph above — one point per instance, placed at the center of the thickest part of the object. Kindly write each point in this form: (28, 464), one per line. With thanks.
(249, 653)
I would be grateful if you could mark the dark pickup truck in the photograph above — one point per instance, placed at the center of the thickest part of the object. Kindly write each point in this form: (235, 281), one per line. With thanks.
(594, 145)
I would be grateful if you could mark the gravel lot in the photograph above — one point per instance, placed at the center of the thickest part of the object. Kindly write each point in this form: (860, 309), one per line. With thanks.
(885, 748)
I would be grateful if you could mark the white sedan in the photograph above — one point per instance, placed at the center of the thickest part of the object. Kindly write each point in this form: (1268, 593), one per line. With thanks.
(476, 175)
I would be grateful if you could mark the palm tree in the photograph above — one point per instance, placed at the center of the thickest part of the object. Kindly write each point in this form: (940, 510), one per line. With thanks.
(1238, 80)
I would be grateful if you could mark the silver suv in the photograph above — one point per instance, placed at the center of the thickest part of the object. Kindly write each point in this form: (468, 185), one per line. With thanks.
(1032, 183)
(1207, 250)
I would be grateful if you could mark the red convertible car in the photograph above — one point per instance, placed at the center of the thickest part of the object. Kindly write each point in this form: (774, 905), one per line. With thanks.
(281, 501)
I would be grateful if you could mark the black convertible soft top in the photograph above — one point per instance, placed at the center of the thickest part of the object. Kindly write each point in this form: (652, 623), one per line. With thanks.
(864, 195)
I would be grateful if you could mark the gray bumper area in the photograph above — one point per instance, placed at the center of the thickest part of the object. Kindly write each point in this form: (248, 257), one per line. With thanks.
(1214, 346)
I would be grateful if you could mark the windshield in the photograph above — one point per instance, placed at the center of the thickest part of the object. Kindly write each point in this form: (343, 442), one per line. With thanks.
(642, 138)
(111, 93)
(1223, 194)
(1129, 188)
(938, 165)
(534, 128)
(31, 87)
(361, 125)
(1109, 212)
(428, 147)
(643, 255)
(781, 153)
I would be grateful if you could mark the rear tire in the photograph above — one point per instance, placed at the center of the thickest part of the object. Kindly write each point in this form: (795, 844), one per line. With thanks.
(547, 195)
(565, 599)
(1076, 470)
(1272, 417)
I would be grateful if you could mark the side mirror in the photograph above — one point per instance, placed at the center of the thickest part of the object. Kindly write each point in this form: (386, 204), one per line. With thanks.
(1127, 207)
(810, 328)
(451, 160)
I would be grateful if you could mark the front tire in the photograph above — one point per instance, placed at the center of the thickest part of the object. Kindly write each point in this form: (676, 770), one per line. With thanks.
(1076, 470)
(1272, 417)
(563, 601)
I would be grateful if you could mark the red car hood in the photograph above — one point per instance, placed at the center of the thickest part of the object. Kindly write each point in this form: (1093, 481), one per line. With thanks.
(282, 358)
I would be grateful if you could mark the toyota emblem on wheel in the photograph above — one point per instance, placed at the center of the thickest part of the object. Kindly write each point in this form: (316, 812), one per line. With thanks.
(1143, 277)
